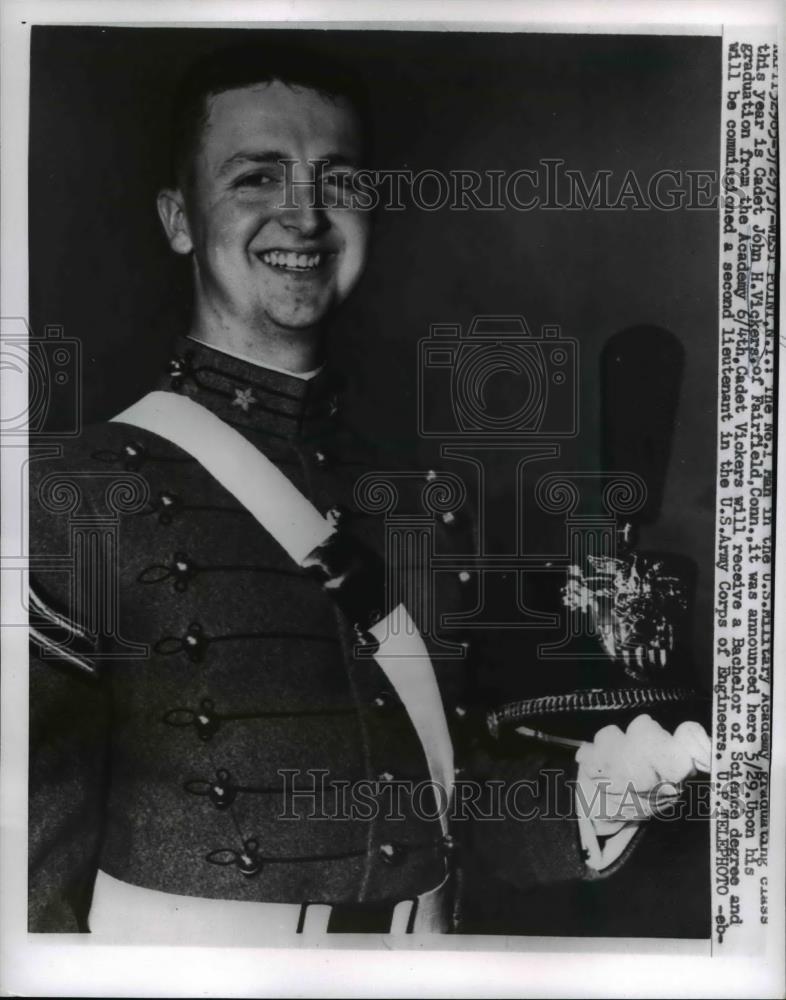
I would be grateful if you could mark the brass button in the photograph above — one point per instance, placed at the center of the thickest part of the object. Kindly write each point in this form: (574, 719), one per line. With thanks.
(167, 507)
(384, 702)
(206, 721)
(248, 860)
(182, 571)
(392, 854)
(366, 639)
(195, 643)
(336, 515)
(134, 455)
(222, 791)
(449, 844)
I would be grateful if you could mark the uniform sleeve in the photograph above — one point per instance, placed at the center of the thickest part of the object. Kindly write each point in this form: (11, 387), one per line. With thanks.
(68, 740)
(523, 865)
(522, 830)
(527, 833)
(67, 775)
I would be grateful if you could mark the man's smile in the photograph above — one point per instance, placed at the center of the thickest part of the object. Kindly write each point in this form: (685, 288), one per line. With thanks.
(291, 260)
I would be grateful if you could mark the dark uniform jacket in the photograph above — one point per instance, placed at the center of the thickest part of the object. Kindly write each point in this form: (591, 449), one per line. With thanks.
(188, 676)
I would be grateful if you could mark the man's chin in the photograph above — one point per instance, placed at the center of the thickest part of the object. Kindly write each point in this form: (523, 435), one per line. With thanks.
(299, 324)
(301, 319)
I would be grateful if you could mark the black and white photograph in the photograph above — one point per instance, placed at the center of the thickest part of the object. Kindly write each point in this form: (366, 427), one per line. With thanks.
(392, 517)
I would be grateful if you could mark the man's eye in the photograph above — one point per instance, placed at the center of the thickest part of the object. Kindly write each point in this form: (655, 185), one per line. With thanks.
(255, 180)
(339, 181)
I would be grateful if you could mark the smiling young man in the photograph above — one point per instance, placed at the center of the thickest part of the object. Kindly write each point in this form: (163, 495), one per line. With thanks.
(269, 266)
(191, 750)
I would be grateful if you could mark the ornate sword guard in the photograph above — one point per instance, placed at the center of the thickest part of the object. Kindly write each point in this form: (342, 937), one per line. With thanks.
(637, 606)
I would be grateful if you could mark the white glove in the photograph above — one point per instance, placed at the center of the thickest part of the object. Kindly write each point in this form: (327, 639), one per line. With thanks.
(627, 777)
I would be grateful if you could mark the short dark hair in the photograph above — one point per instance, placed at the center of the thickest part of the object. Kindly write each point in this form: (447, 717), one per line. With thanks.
(243, 66)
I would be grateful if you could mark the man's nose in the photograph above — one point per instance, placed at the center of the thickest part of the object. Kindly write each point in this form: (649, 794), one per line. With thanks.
(304, 208)
(307, 219)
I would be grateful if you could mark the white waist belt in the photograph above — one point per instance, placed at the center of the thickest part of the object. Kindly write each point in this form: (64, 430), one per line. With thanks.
(128, 914)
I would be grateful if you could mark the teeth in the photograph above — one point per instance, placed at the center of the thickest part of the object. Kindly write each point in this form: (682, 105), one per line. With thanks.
(293, 261)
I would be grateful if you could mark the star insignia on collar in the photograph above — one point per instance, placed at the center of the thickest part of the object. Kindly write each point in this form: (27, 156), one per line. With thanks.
(244, 398)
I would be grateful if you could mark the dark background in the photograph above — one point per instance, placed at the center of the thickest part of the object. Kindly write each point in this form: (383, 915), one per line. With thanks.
(100, 267)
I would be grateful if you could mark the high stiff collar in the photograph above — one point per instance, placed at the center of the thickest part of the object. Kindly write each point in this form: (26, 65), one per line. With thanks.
(250, 396)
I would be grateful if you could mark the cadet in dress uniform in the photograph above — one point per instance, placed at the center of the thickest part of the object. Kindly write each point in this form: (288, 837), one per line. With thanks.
(164, 771)
(165, 750)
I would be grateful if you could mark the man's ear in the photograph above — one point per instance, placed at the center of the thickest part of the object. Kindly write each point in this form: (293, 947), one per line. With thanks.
(172, 212)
